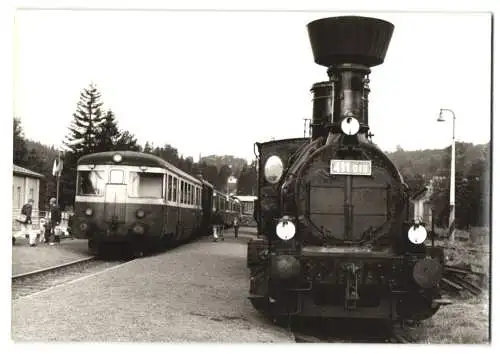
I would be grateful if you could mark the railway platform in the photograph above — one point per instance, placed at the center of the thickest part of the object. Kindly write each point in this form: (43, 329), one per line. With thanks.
(28, 259)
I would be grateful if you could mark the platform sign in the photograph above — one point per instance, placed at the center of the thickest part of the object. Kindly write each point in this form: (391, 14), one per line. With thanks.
(351, 167)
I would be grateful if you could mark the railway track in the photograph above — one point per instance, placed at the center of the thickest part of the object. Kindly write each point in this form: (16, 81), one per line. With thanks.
(33, 282)
(349, 331)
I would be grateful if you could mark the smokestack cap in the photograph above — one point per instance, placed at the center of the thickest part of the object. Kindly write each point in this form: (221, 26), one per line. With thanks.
(349, 39)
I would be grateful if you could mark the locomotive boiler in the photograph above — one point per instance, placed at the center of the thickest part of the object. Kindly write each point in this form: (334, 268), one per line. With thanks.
(335, 235)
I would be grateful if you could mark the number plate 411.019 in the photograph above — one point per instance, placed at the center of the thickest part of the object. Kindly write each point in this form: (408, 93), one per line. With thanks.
(351, 167)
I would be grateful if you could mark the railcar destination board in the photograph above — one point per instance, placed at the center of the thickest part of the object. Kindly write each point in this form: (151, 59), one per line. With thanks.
(351, 167)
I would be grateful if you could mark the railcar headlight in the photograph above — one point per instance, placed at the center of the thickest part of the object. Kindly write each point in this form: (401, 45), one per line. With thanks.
(417, 234)
(350, 126)
(117, 158)
(285, 229)
(273, 169)
(138, 229)
(89, 212)
(140, 213)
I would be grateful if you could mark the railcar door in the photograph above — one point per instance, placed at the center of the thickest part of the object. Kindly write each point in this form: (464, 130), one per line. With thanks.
(115, 197)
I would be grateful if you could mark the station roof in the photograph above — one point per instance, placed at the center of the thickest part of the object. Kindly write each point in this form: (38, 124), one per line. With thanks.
(21, 171)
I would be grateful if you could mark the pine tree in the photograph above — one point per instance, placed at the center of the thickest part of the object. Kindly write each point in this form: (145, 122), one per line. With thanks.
(107, 133)
(81, 140)
(86, 122)
(19, 144)
(127, 141)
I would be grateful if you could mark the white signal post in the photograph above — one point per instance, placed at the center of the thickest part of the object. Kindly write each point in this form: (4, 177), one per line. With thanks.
(452, 174)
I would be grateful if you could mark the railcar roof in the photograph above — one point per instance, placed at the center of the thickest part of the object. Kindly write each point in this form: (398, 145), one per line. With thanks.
(132, 158)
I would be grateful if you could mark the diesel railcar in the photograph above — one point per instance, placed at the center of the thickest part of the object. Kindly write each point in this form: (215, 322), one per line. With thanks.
(138, 199)
(336, 239)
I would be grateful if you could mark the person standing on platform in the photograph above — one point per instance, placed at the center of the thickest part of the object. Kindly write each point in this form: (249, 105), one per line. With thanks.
(54, 220)
(236, 225)
(25, 220)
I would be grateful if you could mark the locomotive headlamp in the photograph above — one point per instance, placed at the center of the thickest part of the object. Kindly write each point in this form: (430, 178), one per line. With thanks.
(417, 234)
(89, 212)
(350, 126)
(273, 169)
(285, 229)
(117, 158)
(139, 213)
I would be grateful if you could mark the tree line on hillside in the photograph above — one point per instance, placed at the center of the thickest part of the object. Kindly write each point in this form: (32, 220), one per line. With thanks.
(472, 181)
(93, 130)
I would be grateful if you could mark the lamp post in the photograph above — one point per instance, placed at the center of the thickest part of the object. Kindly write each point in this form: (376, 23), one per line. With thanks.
(452, 175)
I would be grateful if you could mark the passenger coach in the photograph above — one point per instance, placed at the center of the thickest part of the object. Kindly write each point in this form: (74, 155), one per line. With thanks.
(138, 199)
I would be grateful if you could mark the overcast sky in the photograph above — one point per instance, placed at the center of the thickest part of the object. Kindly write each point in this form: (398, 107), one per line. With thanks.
(216, 82)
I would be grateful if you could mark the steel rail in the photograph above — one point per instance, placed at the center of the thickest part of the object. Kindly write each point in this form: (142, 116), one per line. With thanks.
(50, 269)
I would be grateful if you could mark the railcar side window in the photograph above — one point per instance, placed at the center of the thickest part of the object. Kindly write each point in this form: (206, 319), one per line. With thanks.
(90, 182)
(169, 186)
(146, 185)
(174, 190)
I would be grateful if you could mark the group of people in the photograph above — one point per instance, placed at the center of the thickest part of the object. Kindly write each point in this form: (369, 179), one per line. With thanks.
(218, 226)
(48, 227)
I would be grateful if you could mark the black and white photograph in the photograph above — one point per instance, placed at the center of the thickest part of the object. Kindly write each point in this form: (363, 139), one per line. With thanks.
(256, 175)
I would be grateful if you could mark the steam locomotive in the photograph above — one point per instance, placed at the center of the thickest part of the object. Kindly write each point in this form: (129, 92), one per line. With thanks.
(336, 239)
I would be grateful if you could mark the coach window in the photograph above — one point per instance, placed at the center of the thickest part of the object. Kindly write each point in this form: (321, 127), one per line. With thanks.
(169, 188)
(146, 185)
(174, 190)
(116, 177)
(90, 182)
(188, 194)
(183, 193)
(191, 195)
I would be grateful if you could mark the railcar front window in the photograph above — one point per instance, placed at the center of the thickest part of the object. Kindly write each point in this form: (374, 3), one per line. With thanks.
(90, 182)
(116, 177)
(146, 185)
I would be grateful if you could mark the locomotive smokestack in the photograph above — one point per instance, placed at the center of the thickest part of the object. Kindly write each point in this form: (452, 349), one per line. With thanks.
(348, 46)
